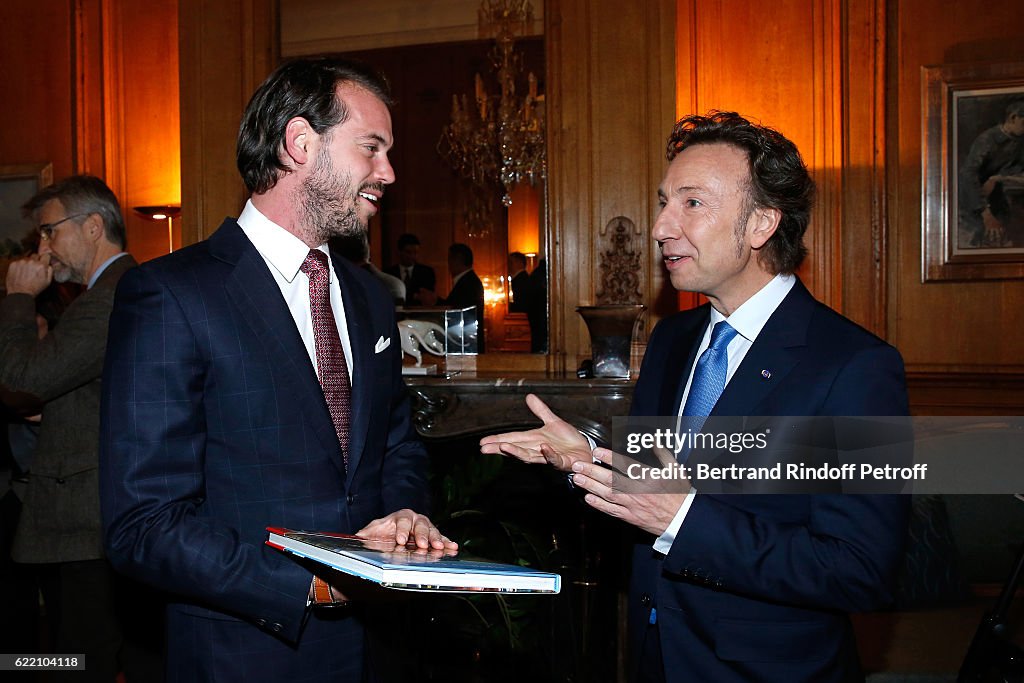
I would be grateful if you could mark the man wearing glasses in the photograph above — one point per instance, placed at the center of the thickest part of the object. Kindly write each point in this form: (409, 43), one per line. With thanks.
(81, 240)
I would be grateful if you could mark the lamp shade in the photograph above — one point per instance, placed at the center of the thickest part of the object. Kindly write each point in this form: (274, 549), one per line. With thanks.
(159, 213)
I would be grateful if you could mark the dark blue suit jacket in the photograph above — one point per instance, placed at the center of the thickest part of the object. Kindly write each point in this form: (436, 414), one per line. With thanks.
(757, 587)
(215, 426)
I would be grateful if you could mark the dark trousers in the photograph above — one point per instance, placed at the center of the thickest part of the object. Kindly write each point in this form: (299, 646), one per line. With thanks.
(651, 667)
(93, 611)
(19, 593)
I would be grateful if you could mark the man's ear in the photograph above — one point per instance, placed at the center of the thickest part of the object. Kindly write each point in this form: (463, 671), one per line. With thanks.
(298, 143)
(766, 222)
(92, 227)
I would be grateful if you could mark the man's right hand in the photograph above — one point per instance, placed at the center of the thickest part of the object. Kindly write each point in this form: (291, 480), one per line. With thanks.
(29, 275)
(556, 443)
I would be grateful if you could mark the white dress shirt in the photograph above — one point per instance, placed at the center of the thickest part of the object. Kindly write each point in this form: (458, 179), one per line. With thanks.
(284, 254)
(748, 320)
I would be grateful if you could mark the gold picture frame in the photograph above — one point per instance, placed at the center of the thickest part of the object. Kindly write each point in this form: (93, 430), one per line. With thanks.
(973, 172)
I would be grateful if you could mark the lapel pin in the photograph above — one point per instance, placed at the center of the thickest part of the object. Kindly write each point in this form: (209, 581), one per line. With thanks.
(766, 374)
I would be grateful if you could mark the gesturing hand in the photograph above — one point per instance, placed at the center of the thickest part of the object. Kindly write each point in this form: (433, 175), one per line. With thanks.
(626, 491)
(557, 442)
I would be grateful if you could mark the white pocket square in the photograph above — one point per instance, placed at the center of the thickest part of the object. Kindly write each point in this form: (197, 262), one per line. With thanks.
(382, 344)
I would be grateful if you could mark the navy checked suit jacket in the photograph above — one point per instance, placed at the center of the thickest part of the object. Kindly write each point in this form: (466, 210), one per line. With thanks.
(214, 426)
(757, 587)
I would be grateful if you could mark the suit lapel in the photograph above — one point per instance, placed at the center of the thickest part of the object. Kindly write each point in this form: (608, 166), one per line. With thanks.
(357, 315)
(680, 361)
(258, 301)
(776, 351)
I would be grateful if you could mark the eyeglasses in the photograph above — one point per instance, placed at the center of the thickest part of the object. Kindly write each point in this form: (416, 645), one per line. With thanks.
(46, 229)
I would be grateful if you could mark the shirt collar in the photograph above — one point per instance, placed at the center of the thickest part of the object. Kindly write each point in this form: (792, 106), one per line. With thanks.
(103, 267)
(753, 314)
(280, 248)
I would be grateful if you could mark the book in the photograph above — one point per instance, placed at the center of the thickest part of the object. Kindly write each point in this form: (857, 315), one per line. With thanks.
(405, 569)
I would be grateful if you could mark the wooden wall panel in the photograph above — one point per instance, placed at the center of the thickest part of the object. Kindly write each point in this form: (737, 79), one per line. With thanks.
(89, 70)
(37, 39)
(864, 230)
(227, 48)
(144, 128)
(959, 329)
(610, 76)
(823, 86)
(732, 59)
(92, 85)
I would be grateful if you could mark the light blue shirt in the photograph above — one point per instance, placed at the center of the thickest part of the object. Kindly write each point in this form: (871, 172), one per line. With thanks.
(103, 267)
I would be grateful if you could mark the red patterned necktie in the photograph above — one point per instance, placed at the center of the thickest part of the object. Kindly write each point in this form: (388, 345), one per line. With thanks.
(331, 366)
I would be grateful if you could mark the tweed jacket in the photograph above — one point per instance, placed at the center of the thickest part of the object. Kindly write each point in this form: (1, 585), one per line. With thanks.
(60, 518)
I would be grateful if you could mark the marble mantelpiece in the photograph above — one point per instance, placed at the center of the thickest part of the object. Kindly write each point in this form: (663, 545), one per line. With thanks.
(478, 403)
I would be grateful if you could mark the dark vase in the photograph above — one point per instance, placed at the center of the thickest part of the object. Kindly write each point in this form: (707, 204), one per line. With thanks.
(611, 329)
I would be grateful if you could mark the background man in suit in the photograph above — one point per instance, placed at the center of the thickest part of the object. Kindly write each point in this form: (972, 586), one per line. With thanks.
(744, 587)
(519, 282)
(467, 289)
(356, 248)
(81, 240)
(255, 380)
(415, 275)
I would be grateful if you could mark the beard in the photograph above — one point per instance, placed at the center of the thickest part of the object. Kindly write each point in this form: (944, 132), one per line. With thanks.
(63, 272)
(328, 202)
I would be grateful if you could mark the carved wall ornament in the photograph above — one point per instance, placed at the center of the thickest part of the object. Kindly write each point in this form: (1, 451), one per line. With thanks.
(621, 262)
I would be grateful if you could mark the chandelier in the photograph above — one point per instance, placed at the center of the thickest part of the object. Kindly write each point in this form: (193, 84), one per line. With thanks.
(498, 140)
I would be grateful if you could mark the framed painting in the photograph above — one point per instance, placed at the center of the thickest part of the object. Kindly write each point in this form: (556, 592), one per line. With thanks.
(973, 171)
(17, 185)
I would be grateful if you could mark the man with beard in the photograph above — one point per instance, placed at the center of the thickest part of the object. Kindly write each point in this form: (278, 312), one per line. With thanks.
(254, 379)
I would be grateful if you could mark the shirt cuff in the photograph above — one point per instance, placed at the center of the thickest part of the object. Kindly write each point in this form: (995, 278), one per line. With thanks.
(665, 541)
(591, 442)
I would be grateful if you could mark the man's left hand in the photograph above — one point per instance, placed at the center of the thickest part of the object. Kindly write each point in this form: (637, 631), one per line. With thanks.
(618, 490)
(404, 526)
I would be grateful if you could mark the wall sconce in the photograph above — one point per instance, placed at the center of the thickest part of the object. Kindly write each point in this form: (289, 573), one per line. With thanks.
(166, 212)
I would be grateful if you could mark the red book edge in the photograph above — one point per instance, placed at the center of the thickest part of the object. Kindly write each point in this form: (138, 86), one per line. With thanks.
(281, 531)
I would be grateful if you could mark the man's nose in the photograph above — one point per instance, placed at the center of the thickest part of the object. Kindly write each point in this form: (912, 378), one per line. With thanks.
(664, 227)
(385, 173)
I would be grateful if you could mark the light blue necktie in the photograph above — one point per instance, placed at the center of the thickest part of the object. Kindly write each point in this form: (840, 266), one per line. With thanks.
(707, 385)
(710, 372)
